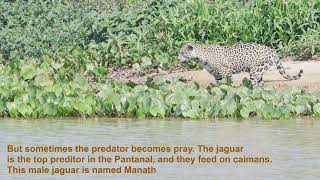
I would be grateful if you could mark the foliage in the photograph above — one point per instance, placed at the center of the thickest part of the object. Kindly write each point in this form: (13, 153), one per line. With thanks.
(153, 30)
(35, 28)
(158, 29)
(45, 88)
(54, 54)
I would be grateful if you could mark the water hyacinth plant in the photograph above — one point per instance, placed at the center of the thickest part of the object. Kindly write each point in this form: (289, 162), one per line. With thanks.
(40, 88)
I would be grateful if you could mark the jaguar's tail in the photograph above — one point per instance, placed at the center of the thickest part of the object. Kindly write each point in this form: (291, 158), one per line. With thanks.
(285, 75)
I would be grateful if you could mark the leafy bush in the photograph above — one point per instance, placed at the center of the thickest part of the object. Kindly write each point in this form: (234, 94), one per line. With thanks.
(51, 88)
(35, 28)
(154, 29)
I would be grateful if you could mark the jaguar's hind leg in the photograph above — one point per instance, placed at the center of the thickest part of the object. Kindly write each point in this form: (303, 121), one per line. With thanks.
(261, 83)
(219, 77)
(256, 77)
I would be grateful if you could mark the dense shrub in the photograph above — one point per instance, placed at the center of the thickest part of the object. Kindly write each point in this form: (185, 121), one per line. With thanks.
(139, 31)
(34, 28)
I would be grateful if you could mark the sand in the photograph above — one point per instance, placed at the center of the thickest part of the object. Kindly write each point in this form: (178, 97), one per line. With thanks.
(310, 79)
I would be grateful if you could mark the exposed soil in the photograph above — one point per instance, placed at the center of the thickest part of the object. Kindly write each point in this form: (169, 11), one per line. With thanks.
(310, 79)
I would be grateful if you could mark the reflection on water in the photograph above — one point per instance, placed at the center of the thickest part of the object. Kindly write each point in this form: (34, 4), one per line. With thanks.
(293, 145)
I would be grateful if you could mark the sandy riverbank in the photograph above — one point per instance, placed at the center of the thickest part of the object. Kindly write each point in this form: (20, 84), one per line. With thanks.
(310, 79)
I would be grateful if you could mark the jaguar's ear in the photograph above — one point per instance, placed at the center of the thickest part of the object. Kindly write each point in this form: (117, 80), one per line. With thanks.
(190, 47)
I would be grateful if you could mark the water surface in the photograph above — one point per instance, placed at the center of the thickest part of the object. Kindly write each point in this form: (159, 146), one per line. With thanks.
(293, 145)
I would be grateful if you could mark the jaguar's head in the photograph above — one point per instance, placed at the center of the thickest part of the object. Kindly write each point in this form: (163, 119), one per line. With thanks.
(186, 52)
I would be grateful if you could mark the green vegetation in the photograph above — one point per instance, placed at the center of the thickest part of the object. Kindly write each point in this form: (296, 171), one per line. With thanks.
(54, 56)
(153, 30)
(45, 88)
(34, 28)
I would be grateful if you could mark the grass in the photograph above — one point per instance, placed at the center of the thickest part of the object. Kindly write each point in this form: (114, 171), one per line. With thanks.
(131, 31)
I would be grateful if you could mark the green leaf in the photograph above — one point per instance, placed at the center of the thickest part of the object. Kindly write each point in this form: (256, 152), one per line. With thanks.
(191, 113)
(2, 106)
(316, 109)
(80, 79)
(28, 72)
(43, 80)
(267, 95)
(245, 112)
(25, 110)
(146, 62)
(157, 108)
(301, 109)
(140, 113)
(12, 109)
(83, 107)
(50, 109)
(90, 66)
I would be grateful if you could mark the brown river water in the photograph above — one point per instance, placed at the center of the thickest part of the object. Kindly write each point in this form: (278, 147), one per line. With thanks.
(292, 145)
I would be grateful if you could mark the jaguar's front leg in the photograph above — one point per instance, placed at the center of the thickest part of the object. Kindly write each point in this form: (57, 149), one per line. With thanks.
(217, 77)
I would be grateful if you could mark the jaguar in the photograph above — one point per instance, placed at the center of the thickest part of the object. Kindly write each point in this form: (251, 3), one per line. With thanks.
(224, 61)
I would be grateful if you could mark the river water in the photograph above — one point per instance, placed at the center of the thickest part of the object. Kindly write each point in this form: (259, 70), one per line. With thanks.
(293, 145)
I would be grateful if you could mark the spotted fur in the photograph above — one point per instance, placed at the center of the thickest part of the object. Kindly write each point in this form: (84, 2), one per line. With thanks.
(223, 61)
